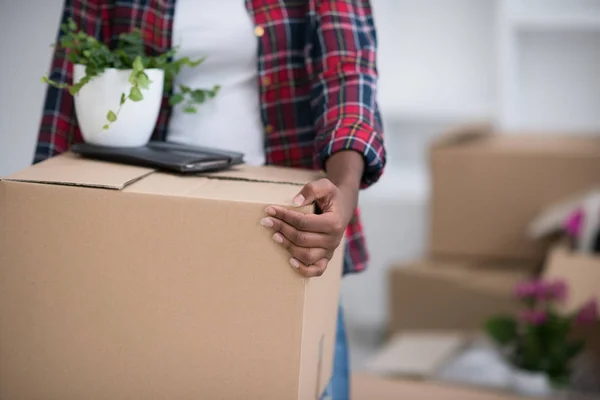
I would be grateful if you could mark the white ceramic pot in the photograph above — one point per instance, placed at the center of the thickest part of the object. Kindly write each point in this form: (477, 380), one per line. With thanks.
(534, 384)
(136, 120)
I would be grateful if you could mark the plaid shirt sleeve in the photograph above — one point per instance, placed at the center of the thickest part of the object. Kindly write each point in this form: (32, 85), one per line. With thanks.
(58, 127)
(343, 95)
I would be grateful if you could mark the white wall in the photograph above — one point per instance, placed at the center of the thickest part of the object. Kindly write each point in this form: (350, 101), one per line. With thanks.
(27, 28)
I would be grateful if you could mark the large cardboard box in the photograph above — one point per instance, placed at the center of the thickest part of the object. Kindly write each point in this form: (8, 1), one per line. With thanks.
(444, 295)
(119, 282)
(487, 187)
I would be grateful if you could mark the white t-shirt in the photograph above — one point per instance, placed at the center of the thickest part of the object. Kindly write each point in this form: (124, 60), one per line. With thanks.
(223, 32)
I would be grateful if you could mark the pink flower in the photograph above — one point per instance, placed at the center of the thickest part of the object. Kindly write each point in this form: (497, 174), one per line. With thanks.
(588, 314)
(525, 290)
(533, 317)
(541, 290)
(573, 223)
(557, 290)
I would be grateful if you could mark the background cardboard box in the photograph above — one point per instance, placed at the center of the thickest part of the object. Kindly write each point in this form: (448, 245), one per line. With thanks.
(118, 282)
(368, 387)
(487, 188)
(445, 295)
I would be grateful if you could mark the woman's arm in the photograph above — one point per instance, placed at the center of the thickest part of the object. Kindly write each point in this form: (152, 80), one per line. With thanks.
(344, 91)
(58, 127)
(349, 140)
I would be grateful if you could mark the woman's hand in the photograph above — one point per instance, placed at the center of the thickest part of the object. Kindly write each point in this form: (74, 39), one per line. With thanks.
(312, 239)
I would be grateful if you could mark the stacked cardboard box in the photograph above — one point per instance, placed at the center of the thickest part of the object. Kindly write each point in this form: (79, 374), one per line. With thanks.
(486, 189)
(119, 282)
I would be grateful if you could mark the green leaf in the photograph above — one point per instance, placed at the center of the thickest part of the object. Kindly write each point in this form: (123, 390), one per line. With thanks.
(189, 63)
(73, 90)
(135, 94)
(138, 66)
(198, 96)
(71, 25)
(123, 98)
(502, 329)
(185, 89)
(105, 127)
(143, 80)
(176, 99)
(111, 116)
(573, 349)
(189, 109)
(214, 92)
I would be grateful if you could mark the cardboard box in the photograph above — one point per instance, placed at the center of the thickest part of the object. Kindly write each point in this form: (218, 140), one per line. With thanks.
(369, 387)
(119, 282)
(487, 188)
(437, 295)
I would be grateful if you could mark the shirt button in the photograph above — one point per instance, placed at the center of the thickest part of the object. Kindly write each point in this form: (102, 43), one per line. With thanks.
(269, 129)
(259, 31)
(266, 81)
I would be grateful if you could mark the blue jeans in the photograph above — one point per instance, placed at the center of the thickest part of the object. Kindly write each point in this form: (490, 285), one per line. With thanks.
(339, 386)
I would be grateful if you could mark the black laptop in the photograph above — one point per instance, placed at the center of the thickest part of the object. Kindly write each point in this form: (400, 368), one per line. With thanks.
(164, 156)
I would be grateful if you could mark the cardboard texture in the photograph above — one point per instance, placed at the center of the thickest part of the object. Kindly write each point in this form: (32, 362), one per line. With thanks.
(487, 187)
(581, 272)
(368, 387)
(438, 295)
(159, 287)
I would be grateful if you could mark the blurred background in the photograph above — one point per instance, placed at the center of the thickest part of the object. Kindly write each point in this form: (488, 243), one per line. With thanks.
(520, 65)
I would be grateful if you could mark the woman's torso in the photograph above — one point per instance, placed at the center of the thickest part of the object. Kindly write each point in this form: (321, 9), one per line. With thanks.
(223, 33)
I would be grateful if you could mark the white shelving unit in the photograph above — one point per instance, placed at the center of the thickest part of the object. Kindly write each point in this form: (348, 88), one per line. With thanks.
(549, 57)
(522, 64)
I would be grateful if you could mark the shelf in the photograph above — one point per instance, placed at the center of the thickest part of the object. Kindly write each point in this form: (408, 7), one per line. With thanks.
(555, 21)
(449, 113)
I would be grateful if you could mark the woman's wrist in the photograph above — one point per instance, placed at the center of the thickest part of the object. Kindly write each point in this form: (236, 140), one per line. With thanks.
(345, 170)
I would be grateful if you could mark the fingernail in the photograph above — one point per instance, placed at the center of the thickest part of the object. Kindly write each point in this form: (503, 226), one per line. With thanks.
(294, 263)
(298, 200)
(270, 211)
(278, 238)
(266, 222)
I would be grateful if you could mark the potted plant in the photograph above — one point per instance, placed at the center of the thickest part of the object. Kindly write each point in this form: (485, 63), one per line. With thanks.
(538, 341)
(118, 92)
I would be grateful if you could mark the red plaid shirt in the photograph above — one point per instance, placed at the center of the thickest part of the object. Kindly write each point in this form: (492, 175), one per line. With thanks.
(316, 72)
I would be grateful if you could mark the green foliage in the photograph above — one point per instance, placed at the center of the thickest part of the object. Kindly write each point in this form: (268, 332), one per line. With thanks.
(503, 329)
(544, 345)
(129, 53)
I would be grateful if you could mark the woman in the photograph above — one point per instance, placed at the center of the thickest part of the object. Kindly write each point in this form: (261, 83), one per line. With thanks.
(298, 82)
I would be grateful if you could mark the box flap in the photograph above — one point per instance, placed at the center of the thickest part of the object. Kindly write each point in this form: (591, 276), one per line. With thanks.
(72, 170)
(581, 273)
(551, 219)
(462, 134)
(271, 174)
(203, 187)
